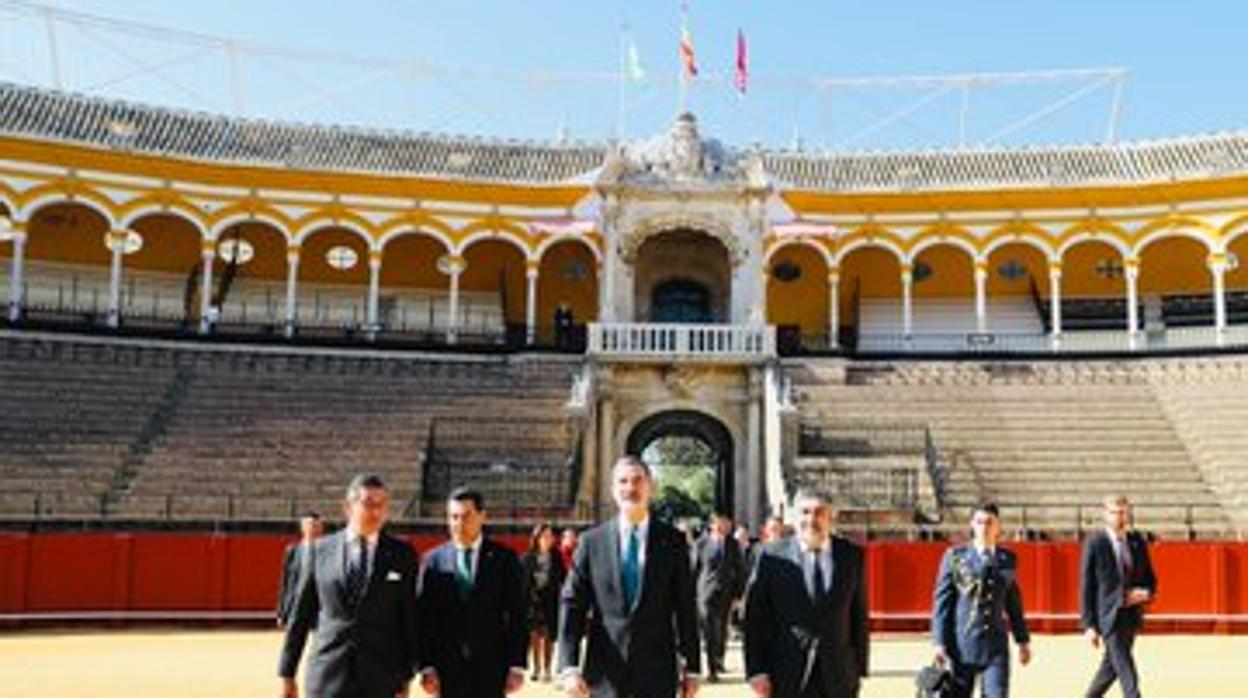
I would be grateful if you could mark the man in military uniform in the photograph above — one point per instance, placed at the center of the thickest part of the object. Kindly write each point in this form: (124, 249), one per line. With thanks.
(976, 593)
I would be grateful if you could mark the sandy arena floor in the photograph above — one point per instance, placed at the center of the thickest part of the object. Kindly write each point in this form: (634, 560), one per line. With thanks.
(240, 664)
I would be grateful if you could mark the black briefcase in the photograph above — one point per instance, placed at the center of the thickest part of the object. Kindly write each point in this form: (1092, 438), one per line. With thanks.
(935, 682)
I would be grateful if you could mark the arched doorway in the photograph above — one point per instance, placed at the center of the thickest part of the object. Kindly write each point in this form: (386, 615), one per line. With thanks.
(691, 454)
(683, 275)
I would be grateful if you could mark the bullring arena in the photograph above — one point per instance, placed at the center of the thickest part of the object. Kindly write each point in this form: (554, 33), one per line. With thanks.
(214, 322)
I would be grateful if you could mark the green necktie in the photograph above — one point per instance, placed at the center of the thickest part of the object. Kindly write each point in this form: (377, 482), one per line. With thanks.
(630, 571)
(464, 573)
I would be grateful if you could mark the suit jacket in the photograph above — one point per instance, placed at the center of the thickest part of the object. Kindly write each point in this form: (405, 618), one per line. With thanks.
(720, 572)
(786, 632)
(479, 639)
(971, 603)
(372, 644)
(1102, 588)
(630, 652)
(289, 584)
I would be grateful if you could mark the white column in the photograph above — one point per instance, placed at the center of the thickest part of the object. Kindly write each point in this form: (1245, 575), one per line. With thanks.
(456, 267)
(15, 273)
(606, 446)
(117, 247)
(834, 308)
(292, 289)
(374, 291)
(754, 455)
(530, 301)
(1055, 302)
(907, 302)
(981, 297)
(1131, 270)
(207, 253)
(1218, 270)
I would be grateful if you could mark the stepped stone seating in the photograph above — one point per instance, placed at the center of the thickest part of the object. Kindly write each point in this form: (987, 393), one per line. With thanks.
(160, 431)
(1042, 439)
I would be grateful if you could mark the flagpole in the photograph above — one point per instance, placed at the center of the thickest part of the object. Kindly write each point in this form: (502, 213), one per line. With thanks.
(684, 73)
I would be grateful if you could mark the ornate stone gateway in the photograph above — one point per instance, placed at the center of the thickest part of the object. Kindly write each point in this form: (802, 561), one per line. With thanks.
(699, 426)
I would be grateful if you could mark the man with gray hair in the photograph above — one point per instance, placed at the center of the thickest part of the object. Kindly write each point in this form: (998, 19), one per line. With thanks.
(359, 589)
(806, 632)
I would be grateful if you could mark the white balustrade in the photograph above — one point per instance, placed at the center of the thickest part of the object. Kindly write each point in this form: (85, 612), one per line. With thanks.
(664, 342)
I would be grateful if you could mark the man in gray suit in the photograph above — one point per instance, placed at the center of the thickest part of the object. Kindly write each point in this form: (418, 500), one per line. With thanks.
(719, 568)
(293, 559)
(806, 632)
(359, 587)
(631, 583)
(1116, 583)
(976, 594)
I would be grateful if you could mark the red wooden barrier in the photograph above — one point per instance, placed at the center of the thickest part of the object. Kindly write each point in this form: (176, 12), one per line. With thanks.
(1201, 586)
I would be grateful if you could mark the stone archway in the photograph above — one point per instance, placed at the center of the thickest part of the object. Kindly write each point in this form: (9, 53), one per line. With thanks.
(699, 427)
(677, 268)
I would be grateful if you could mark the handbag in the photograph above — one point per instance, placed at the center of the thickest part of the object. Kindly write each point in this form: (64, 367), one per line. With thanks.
(935, 682)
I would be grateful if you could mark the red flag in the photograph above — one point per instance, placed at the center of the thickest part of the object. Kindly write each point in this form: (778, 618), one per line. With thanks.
(743, 69)
(686, 54)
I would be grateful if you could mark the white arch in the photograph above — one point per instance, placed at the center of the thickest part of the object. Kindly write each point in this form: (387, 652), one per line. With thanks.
(828, 257)
(34, 206)
(321, 224)
(882, 243)
(1178, 232)
(1104, 237)
(550, 242)
(952, 240)
(243, 217)
(1035, 242)
(133, 217)
(483, 235)
(416, 231)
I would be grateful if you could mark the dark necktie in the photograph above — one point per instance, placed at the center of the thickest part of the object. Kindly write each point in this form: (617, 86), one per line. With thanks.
(357, 570)
(820, 590)
(630, 571)
(464, 573)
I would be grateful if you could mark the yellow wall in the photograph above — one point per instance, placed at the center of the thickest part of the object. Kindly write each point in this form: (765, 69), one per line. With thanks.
(314, 267)
(489, 259)
(412, 262)
(1079, 277)
(952, 273)
(67, 233)
(1175, 265)
(804, 301)
(554, 285)
(1237, 278)
(874, 272)
(170, 244)
(1032, 259)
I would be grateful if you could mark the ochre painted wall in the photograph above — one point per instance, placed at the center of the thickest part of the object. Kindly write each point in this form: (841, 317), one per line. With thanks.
(490, 261)
(170, 244)
(557, 283)
(803, 301)
(1032, 259)
(314, 267)
(872, 272)
(952, 273)
(1079, 277)
(412, 262)
(1175, 265)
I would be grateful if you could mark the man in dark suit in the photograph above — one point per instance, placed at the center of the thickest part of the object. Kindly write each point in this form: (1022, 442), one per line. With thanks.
(1116, 582)
(976, 593)
(719, 568)
(631, 582)
(474, 591)
(359, 587)
(293, 560)
(806, 633)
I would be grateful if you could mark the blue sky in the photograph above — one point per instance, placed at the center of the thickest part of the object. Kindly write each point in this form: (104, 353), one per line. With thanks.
(1186, 63)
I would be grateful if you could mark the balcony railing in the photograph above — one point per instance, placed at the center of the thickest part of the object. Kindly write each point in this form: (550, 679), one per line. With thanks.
(665, 342)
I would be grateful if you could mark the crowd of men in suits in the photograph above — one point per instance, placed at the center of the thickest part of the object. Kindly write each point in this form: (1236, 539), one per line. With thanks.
(636, 603)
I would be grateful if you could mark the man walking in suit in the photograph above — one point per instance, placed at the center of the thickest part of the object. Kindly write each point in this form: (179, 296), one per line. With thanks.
(293, 560)
(360, 591)
(631, 582)
(806, 633)
(976, 593)
(719, 568)
(473, 590)
(1116, 582)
